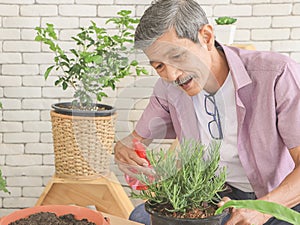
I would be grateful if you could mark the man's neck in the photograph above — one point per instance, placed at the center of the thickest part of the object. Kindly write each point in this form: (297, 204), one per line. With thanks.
(219, 73)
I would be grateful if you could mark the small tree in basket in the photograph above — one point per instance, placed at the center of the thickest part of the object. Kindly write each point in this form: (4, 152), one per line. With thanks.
(83, 129)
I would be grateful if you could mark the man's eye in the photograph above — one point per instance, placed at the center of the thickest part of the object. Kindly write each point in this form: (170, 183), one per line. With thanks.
(159, 66)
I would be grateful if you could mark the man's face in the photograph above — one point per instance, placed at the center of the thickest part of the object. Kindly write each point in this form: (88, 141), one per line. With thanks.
(181, 61)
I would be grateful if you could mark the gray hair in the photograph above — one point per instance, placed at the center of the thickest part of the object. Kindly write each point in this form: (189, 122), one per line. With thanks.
(185, 16)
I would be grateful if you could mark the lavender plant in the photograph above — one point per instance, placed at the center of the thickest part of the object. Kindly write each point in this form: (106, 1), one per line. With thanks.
(186, 178)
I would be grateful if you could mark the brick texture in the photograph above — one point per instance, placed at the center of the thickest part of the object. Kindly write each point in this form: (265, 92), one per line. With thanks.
(26, 150)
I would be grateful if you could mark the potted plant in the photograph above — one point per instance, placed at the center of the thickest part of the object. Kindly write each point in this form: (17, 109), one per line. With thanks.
(225, 29)
(186, 186)
(83, 130)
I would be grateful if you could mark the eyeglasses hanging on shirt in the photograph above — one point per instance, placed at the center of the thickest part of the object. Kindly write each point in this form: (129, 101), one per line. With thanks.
(214, 126)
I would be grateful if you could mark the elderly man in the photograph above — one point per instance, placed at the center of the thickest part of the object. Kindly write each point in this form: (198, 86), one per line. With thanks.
(247, 99)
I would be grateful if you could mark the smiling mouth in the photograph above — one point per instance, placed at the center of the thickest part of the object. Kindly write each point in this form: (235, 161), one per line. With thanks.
(183, 81)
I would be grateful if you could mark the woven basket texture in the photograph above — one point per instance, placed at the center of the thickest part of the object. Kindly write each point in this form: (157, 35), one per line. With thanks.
(82, 145)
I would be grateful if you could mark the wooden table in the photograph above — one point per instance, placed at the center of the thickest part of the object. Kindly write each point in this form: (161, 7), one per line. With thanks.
(244, 46)
(115, 220)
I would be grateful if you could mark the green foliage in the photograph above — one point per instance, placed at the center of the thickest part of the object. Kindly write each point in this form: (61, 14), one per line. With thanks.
(100, 60)
(280, 212)
(225, 20)
(185, 178)
(3, 183)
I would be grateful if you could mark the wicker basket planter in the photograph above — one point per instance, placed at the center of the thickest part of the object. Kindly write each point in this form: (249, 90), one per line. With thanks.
(82, 141)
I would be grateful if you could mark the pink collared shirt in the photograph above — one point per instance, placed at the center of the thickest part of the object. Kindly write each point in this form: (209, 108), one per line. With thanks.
(267, 92)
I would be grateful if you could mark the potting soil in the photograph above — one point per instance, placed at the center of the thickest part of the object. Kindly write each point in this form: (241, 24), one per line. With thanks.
(48, 218)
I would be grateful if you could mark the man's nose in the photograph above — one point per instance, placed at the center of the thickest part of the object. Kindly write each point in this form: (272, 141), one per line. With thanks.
(173, 73)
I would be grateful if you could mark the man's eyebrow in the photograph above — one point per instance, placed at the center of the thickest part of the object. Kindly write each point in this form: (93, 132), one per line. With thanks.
(173, 50)
(167, 53)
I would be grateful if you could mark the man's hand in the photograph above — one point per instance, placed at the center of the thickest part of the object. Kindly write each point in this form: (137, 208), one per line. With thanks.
(244, 216)
(127, 159)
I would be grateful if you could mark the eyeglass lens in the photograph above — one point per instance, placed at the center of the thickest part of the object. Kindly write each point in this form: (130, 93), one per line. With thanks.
(214, 126)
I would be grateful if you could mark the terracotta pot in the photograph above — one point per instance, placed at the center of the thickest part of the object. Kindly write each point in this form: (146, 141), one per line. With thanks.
(78, 212)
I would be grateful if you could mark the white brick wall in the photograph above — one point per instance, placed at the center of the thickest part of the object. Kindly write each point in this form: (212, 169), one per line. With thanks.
(26, 151)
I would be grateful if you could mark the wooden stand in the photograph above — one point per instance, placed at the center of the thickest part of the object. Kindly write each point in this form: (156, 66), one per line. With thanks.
(105, 193)
(244, 46)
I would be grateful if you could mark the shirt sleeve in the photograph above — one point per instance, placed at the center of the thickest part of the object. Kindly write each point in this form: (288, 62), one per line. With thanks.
(287, 92)
(156, 122)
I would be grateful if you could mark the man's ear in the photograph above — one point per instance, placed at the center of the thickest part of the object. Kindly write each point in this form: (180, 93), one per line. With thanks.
(206, 36)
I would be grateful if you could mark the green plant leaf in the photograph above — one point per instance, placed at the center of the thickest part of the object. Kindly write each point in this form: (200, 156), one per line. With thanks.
(134, 63)
(225, 20)
(280, 212)
(65, 85)
(50, 31)
(144, 71)
(38, 38)
(124, 12)
(3, 183)
(48, 72)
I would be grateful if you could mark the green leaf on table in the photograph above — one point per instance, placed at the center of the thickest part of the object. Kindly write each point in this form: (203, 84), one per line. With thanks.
(280, 212)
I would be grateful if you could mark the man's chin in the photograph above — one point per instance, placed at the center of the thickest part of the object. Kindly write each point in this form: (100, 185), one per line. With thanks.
(192, 91)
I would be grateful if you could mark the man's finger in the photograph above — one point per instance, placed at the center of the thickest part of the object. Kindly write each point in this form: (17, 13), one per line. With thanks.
(223, 201)
(134, 170)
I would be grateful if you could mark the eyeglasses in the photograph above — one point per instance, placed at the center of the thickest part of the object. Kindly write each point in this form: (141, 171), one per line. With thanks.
(214, 126)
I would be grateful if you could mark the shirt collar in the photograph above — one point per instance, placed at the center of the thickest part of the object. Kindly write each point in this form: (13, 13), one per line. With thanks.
(238, 71)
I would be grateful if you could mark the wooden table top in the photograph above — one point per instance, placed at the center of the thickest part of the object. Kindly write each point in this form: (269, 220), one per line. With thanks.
(115, 220)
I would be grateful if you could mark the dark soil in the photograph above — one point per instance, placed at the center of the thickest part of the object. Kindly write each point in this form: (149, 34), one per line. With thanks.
(83, 108)
(48, 218)
(205, 211)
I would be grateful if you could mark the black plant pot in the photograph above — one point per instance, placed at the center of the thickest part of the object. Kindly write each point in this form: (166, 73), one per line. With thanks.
(66, 109)
(157, 219)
